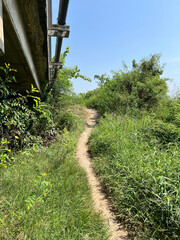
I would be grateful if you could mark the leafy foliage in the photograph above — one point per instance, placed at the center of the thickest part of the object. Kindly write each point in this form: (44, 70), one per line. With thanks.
(137, 89)
(29, 120)
(24, 120)
(61, 90)
(61, 96)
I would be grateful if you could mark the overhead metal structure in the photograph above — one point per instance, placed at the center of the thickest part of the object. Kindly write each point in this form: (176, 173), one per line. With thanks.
(60, 31)
(25, 40)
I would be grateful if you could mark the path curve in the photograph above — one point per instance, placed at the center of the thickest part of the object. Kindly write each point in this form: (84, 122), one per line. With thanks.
(101, 203)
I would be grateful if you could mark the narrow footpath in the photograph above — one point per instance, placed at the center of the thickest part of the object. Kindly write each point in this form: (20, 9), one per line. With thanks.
(101, 203)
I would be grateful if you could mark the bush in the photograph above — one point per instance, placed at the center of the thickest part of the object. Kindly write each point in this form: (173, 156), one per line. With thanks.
(24, 120)
(66, 120)
(168, 110)
(141, 88)
(164, 132)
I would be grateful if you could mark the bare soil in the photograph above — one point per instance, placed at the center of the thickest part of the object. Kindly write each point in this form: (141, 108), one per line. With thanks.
(101, 203)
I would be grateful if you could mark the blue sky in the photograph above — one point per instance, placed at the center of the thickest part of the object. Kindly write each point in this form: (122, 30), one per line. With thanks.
(106, 32)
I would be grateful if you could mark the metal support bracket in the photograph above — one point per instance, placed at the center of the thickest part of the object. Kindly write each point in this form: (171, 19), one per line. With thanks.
(59, 31)
(55, 65)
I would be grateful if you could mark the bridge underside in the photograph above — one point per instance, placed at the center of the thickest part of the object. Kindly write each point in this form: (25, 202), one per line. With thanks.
(25, 40)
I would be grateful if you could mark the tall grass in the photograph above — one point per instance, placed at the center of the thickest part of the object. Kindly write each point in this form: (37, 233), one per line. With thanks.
(140, 174)
(44, 195)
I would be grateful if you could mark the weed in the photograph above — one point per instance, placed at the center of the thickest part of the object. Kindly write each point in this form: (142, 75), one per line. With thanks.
(45, 195)
(139, 174)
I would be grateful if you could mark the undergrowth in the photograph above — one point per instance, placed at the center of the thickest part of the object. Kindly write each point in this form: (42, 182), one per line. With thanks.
(25, 120)
(30, 119)
(45, 195)
(139, 168)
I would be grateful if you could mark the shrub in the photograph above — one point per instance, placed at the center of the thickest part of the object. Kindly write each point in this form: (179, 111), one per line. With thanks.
(24, 120)
(168, 110)
(164, 132)
(66, 120)
(140, 88)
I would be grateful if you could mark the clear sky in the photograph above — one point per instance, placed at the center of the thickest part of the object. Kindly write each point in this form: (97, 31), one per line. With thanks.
(106, 32)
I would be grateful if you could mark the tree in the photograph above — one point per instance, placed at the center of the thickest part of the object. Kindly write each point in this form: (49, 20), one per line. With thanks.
(102, 79)
(142, 87)
(61, 89)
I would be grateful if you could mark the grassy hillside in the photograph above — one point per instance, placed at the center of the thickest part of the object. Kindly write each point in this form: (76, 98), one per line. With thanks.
(136, 148)
(140, 175)
(45, 195)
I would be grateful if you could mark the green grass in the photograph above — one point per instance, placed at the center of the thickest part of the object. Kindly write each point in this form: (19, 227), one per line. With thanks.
(140, 175)
(44, 195)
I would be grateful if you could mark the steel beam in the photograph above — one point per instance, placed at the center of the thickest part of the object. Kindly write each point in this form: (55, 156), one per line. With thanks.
(59, 31)
(16, 20)
(55, 65)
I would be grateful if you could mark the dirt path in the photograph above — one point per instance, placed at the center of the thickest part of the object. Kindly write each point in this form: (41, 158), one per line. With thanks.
(101, 203)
